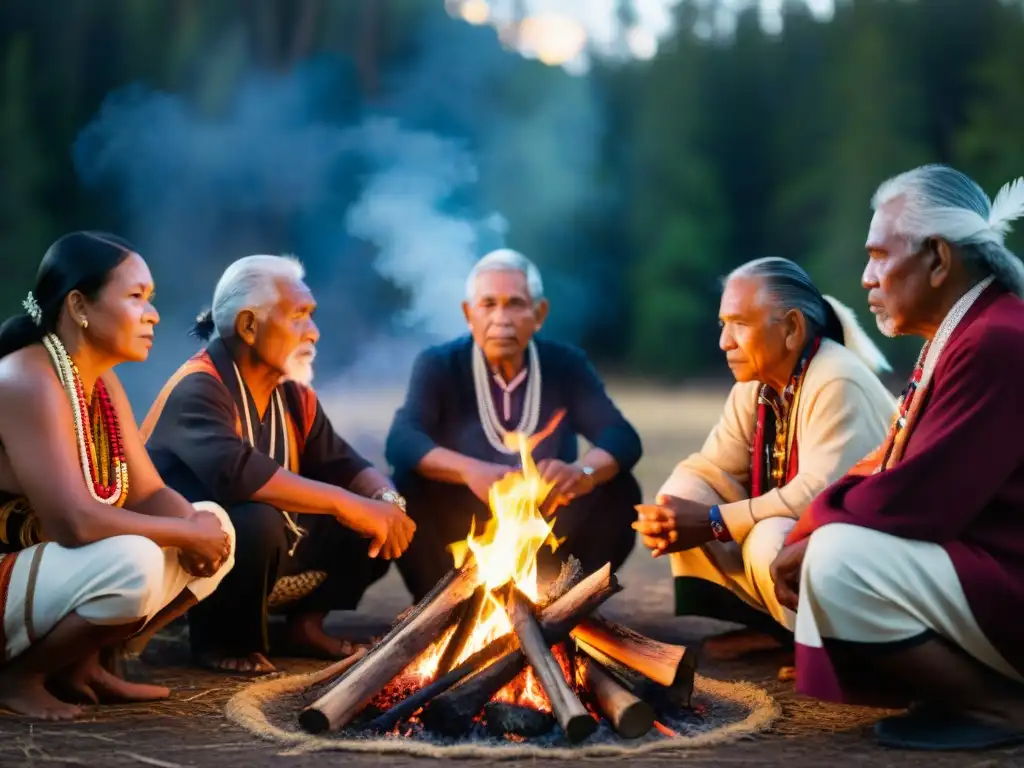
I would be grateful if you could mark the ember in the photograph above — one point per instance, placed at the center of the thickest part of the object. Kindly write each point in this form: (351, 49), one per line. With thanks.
(485, 636)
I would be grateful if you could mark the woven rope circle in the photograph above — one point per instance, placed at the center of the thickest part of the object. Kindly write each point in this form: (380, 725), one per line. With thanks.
(246, 709)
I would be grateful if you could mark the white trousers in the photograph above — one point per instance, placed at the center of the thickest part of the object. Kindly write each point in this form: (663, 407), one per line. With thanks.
(743, 570)
(114, 581)
(865, 586)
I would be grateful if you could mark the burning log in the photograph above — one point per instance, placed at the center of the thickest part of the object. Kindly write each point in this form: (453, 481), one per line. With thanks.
(630, 716)
(566, 706)
(505, 719)
(400, 647)
(663, 663)
(452, 712)
(657, 695)
(411, 704)
(441, 683)
(463, 630)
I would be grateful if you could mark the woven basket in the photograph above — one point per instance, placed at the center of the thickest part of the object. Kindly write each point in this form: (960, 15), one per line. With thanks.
(288, 589)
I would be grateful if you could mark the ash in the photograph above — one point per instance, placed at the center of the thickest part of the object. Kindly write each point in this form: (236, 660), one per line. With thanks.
(707, 714)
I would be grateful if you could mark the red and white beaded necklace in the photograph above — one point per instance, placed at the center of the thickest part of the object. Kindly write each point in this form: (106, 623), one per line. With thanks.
(103, 464)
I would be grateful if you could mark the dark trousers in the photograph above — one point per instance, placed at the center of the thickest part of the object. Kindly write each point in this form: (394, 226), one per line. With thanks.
(597, 529)
(233, 620)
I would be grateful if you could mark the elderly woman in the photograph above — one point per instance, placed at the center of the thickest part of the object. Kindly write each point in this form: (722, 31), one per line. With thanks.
(806, 406)
(909, 571)
(93, 546)
(447, 448)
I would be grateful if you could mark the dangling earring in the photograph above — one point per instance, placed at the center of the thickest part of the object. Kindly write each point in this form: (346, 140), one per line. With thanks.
(85, 324)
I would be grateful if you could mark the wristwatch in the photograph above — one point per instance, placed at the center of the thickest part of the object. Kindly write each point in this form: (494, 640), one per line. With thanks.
(391, 497)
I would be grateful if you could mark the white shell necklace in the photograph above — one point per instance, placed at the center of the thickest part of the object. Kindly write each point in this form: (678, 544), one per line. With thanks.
(276, 407)
(489, 420)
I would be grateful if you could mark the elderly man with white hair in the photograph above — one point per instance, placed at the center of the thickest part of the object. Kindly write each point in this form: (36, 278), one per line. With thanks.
(806, 406)
(447, 443)
(239, 424)
(908, 573)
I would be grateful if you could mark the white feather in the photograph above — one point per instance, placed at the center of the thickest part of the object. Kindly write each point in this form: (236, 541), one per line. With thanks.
(1008, 205)
(857, 339)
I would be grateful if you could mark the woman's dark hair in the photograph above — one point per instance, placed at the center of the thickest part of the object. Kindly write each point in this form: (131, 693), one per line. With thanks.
(79, 261)
(790, 287)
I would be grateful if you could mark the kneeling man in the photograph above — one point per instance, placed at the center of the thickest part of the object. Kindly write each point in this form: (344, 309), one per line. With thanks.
(910, 570)
(807, 405)
(238, 424)
(446, 444)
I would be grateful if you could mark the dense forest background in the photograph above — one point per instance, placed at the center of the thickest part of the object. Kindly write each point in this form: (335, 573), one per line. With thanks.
(389, 143)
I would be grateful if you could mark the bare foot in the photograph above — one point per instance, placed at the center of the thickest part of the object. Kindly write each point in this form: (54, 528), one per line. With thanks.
(254, 663)
(90, 680)
(305, 638)
(27, 695)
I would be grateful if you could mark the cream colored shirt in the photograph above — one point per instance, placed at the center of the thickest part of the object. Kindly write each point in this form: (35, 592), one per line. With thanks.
(841, 414)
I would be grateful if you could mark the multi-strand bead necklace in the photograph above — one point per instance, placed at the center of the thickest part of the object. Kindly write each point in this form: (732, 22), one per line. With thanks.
(98, 434)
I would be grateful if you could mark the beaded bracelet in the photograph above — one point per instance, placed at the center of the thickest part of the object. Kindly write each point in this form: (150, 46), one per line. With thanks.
(718, 527)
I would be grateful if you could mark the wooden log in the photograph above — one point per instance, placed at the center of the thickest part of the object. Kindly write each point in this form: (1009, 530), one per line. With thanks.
(451, 713)
(661, 662)
(631, 717)
(659, 696)
(463, 631)
(337, 668)
(504, 719)
(574, 718)
(396, 650)
(412, 704)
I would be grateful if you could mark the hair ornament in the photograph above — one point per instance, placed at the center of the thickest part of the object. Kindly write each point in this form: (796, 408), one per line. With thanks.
(32, 308)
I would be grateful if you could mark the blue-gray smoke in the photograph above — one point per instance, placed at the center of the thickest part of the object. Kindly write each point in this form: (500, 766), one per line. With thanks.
(388, 204)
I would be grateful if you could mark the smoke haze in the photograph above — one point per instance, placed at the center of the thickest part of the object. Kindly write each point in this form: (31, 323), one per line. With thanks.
(387, 204)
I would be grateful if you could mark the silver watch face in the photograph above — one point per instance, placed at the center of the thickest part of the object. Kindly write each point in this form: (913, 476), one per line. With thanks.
(393, 498)
(587, 470)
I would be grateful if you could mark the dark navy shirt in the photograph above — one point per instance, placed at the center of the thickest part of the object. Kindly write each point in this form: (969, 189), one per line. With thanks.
(440, 409)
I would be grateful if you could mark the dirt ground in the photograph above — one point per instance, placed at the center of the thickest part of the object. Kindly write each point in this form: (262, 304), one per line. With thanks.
(191, 730)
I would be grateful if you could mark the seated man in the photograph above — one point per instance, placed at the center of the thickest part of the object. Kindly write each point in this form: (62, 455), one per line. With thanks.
(806, 406)
(238, 424)
(446, 443)
(910, 570)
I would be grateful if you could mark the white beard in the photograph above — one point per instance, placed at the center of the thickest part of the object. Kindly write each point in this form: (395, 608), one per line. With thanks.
(885, 325)
(300, 365)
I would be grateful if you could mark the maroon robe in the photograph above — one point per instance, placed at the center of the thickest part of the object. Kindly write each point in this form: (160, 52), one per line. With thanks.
(960, 481)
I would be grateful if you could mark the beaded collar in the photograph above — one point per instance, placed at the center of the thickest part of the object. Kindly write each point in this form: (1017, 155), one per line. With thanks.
(97, 431)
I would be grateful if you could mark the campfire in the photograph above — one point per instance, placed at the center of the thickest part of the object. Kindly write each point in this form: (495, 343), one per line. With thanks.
(488, 646)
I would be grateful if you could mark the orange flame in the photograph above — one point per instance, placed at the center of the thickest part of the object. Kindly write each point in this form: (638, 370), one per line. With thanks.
(505, 552)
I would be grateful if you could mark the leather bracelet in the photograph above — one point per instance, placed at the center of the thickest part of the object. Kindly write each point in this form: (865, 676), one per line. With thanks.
(718, 527)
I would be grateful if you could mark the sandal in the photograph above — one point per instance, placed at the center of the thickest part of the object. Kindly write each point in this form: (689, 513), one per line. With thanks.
(929, 728)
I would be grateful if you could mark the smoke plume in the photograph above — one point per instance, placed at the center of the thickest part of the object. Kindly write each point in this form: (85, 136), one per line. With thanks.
(387, 204)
